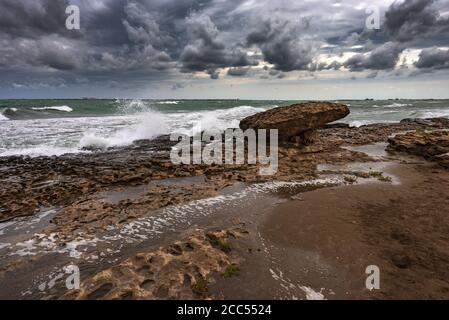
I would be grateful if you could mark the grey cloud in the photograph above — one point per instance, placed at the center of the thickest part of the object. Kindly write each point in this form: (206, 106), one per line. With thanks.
(213, 73)
(408, 20)
(433, 58)
(383, 57)
(142, 27)
(282, 46)
(273, 72)
(31, 19)
(206, 50)
(407, 24)
(239, 71)
(372, 75)
(141, 41)
(49, 52)
(334, 65)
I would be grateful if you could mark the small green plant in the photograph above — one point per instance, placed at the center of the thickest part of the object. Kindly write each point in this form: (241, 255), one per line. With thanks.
(218, 243)
(231, 270)
(380, 176)
(350, 179)
(200, 286)
(376, 174)
(224, 246)
(385, 179)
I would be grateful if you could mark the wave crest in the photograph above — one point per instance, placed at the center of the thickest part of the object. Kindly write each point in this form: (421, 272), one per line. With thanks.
(56, 108)
(2, 117)
(146, 125)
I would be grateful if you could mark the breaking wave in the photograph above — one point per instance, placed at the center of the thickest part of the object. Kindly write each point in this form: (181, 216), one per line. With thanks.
(394, 105)
(102, 124)
(144, 125)
(7, 112)
(3, 118)
(220, 119)
(431, 114)
(168, 102)
(57, 108)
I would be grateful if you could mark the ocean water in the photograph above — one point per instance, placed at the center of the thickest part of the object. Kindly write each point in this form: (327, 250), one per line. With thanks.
(56, 127)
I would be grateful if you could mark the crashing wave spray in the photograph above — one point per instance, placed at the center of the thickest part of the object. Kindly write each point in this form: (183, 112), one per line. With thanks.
(145, 124)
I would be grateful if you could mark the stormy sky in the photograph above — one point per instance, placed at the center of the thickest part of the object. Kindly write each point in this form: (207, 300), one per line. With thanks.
(260, 49)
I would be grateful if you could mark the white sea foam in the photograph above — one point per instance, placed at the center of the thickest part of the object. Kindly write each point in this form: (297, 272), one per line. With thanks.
(38, 151)
(432, 114)
(57, 108)
(137, 120)
(393, 105)
(6, 111)
(149, 125)
(359, 123)
(183, 214)
(43, 243)
(171, 218)
(398, 105)
(220, 119)
(130, 107)
(168, 102)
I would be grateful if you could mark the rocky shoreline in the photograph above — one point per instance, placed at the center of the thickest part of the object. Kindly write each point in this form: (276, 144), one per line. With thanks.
(101, 198)
(30, 183)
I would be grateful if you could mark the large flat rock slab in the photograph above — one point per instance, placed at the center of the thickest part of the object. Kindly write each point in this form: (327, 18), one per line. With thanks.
(293, 121)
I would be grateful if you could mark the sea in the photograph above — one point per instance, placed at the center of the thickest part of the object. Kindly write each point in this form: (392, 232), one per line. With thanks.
(56, 127)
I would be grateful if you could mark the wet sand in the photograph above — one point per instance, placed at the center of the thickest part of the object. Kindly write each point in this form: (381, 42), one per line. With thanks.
(319, 247)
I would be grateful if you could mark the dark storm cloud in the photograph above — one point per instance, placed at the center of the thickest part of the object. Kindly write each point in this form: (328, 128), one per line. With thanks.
(406, 24)
(206, 50)
(141, 41)
(408, 20)
(382, 58)
(433, 58)
(31, 19)
(104, 25)
(281, 45)
(56, 57)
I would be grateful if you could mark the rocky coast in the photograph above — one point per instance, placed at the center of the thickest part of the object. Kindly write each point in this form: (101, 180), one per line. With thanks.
(140, 227)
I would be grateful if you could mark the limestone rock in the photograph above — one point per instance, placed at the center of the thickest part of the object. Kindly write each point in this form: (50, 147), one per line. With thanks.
(299, 120)
(432, 145)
